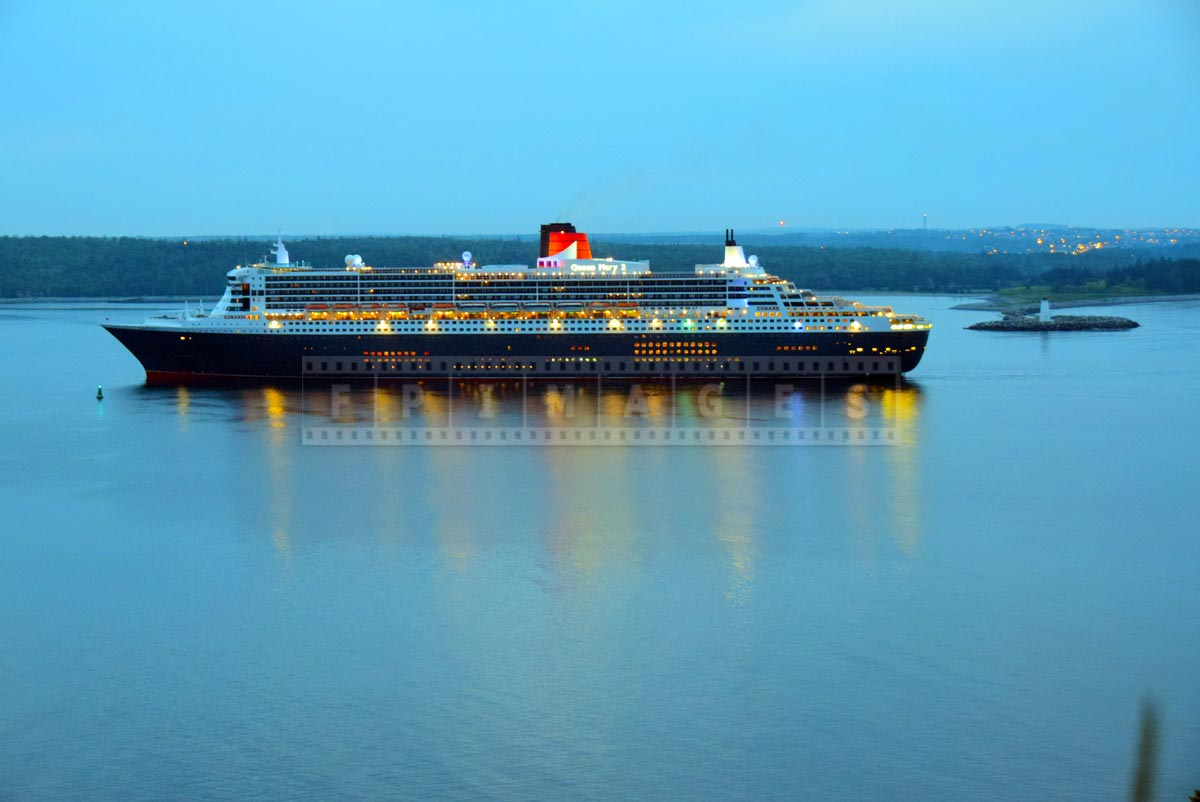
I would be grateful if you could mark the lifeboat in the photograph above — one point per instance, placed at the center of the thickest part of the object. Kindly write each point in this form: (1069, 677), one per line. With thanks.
(506, 307)
(600, 305)
(343, 307)
(626, 305)
(316, 307)
(441, 307)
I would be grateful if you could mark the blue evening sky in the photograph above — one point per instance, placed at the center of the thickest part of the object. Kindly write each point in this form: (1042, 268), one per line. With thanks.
(243, 116)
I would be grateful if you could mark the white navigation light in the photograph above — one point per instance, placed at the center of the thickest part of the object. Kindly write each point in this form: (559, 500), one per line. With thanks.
(466, 257)
(753, 260)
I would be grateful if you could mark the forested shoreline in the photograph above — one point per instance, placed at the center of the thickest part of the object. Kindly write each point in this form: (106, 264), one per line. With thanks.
(80, 267)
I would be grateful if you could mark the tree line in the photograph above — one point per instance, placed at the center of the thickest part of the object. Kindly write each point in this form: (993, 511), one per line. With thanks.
(42, 267)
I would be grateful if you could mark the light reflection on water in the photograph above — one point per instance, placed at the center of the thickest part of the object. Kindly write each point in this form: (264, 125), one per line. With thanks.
(734, 521)
(585, 530)
(903, 409)
(279, 465)
(584, 404)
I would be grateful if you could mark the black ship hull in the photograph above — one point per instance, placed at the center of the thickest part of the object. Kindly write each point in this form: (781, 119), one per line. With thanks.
(180, 356)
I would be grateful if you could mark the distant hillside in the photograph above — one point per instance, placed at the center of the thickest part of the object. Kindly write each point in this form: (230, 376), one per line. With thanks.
(1044, 238)
(38, 267)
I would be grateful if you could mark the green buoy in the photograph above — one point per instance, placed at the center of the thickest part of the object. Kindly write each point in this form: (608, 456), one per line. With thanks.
(99, 392)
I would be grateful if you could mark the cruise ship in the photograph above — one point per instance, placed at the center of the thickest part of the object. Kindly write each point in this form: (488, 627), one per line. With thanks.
(569, 314)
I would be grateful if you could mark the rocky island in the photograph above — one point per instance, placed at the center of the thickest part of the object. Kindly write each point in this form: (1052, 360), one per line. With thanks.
(1057, 323)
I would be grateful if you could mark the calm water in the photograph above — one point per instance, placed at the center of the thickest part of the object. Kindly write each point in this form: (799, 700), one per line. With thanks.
(195, 605)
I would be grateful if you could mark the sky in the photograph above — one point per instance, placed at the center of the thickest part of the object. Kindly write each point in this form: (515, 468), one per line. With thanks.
(166, 118)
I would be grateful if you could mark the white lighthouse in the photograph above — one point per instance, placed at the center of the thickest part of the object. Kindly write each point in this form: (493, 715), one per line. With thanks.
(1044, 312)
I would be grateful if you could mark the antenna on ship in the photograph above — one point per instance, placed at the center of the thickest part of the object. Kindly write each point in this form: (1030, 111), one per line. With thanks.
(281, 254)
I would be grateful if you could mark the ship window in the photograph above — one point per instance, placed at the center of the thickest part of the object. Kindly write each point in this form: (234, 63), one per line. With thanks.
(874, 366)
(860, 365)
(622, 366)
(845, 366)
(756, 366)
(608, 366)
(830, 366)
